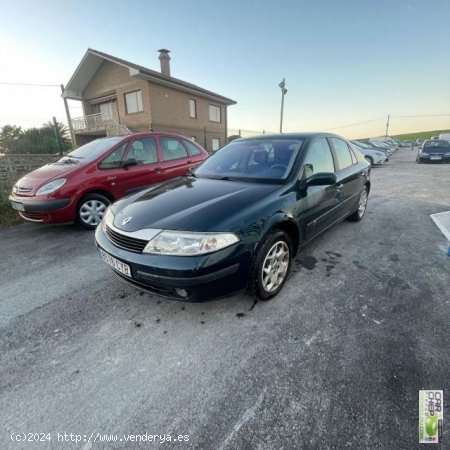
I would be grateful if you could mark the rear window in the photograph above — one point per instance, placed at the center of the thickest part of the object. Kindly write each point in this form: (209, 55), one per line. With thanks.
(435, 143)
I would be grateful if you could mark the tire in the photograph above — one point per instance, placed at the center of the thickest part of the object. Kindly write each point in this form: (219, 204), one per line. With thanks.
(359, 214)
(90, 210)
(260, 281)
(369, 159)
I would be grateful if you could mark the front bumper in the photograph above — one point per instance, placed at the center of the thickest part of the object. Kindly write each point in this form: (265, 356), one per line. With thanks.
(187, 278)
(43, 210)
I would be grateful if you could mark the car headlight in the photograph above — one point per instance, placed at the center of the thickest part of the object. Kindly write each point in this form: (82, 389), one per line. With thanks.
(108, 216)
(185, 243)
(51, 187)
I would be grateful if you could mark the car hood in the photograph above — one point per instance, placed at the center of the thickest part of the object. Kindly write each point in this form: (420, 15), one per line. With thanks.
(45, 174)
(190, 204)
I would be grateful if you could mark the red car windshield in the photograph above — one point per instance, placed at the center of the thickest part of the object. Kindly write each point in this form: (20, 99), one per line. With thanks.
(91, 151)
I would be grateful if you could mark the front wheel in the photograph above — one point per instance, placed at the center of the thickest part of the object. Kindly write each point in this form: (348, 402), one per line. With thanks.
(91, 209)
(271, 265)
(362, 206)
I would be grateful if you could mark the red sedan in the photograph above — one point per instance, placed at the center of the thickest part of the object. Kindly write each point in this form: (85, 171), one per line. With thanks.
(80, 186)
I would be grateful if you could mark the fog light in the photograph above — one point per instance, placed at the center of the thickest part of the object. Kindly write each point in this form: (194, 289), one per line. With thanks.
(182, 292)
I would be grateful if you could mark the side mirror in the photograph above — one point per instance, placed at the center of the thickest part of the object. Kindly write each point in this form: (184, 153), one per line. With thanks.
(128, 163)
(319, 179)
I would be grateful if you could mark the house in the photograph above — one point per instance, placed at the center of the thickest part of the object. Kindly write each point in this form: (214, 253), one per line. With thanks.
(119, 97)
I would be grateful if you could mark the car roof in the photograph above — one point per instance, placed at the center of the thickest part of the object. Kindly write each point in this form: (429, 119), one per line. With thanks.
(287, 136)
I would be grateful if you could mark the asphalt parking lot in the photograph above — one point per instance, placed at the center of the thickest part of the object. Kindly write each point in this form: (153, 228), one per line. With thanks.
(335, 361)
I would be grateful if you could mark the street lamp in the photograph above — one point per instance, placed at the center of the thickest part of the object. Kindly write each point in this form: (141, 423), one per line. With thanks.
(283, 93)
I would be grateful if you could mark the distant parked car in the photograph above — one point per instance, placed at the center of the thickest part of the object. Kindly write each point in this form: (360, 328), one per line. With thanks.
(419, 142)
(378, 146)
(373, 156)
(445, 136)
(434, 150)
(237, 221)
(80, 186)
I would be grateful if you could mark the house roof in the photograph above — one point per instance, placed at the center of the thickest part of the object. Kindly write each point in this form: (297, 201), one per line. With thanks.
(93, 59)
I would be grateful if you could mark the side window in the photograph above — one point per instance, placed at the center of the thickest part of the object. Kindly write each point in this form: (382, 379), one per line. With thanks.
(342, 153)
(143, 151)
(113, 160)
(193, 149)
(172, 149)
(318, 159)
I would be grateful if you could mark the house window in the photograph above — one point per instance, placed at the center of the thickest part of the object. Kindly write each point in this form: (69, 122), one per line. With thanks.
(192, 108)
(214, 113)
(215, 144)
(133, 102)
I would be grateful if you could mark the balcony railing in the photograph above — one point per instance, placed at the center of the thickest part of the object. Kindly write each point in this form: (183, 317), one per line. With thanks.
(100, 122)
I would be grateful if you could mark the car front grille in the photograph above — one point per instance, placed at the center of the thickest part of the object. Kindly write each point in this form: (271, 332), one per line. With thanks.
(124, 241)
(21, 190)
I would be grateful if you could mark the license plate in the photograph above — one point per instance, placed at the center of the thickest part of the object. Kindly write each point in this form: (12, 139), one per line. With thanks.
(116, 264)
(435, 157)
(17, 206)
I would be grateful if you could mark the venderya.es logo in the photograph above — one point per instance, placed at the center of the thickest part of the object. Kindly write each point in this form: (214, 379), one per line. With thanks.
(431, 416)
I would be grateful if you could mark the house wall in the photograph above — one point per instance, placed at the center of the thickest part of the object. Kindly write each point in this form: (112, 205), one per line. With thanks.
(170, 112)
(165, 109)
(112, 78)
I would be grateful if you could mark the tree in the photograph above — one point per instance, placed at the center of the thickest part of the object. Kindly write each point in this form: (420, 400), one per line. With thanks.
(233, 137)
(36, 140)
(9, 135)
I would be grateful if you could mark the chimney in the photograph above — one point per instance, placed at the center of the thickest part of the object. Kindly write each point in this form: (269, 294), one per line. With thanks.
(165, 61)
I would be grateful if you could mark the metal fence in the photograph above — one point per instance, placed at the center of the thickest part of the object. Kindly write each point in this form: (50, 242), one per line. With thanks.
(246, 133)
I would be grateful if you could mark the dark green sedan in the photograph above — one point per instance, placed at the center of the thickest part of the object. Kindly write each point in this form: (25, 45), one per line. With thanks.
(238, 219)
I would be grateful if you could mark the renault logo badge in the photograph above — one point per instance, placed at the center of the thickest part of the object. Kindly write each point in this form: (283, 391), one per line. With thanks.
(126, 220)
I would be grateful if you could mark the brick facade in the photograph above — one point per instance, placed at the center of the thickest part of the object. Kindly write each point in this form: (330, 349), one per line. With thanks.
(164, 108)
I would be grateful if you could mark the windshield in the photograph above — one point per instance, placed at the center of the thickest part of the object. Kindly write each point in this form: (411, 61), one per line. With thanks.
(91, 151)
(256, 159)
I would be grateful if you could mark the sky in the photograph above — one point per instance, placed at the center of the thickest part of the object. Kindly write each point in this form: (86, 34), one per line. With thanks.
(347, 63)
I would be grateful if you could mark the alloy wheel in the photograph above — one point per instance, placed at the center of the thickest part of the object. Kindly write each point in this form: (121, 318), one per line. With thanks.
(275, 266)
(362, 203)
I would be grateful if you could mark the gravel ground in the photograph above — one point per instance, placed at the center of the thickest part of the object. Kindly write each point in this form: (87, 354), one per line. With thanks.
(335, 361)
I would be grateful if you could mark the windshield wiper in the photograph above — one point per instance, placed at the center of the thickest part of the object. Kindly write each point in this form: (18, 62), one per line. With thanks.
(227, 178)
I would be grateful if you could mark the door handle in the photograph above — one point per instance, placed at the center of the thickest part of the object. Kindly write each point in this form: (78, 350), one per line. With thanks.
(189, 162)
(158, 169)
(339, 186)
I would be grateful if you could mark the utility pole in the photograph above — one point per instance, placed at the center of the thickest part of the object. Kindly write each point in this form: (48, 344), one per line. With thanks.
(57, 136)
(387, 127)
(69, 120)
(283, 93)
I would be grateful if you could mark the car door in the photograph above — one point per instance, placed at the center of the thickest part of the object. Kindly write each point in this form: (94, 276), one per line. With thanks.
(317, 206)
(175, 157)
(141, 167)
(110, 172)
(350, 176)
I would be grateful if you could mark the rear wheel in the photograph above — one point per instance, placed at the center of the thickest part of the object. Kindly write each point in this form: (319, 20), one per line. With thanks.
(91, 209)
(271, 265)
(362, 206)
